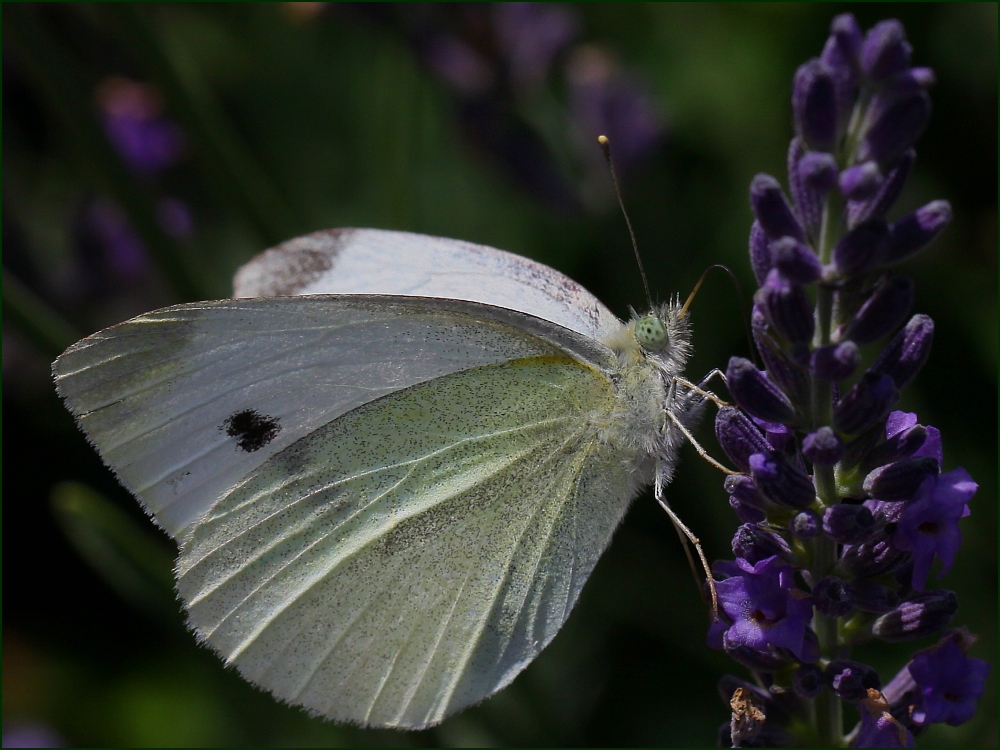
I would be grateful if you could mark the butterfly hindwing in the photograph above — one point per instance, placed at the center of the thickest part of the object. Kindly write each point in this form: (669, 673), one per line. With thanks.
(412, 556)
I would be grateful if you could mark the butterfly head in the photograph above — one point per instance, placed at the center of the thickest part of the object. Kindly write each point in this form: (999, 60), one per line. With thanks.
(651, 333)
(663, 333)
(662, 336)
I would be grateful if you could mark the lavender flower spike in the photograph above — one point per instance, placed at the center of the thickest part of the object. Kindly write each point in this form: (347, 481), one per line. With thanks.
(837, 491)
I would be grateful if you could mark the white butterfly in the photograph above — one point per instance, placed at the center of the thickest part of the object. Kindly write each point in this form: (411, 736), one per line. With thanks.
(390, 462)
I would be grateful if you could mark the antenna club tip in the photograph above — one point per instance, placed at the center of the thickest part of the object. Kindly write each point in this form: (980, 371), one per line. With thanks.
(603, 140)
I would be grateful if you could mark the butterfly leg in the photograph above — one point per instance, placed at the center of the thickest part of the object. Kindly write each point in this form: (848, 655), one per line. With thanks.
(700, 387)
(685, 535)
(701, 451)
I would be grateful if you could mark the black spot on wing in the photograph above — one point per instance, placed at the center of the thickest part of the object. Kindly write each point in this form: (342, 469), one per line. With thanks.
(251, 429)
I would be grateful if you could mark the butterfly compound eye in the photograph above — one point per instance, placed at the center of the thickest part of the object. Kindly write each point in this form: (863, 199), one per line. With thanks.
(651, 333)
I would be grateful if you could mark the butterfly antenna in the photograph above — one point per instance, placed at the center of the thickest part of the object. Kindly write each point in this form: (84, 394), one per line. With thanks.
(606, 148)
(739, 296)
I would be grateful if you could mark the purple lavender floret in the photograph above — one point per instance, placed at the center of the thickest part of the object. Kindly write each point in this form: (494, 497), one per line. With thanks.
(928, 526)
(948, 682)
(836, 492)
(879, 728)
(764, 609)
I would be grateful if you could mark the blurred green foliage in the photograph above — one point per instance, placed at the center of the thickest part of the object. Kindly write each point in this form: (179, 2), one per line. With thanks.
(303, 117)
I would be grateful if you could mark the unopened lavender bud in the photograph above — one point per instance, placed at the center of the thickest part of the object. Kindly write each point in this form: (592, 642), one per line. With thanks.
(755, 393)
(850, 680)
(872, 558)
(859, 448)
(851, 524)
(907, 353)
(772, 209)
(748, 504)
(882, 201)
(786, 306)
(862, 248)
(902, 445)
(901, 479)
(796, 261)
(814, 105)
(746, 513)
(895, 127)
(822, 447)
(883, 312)
(754, 544)
(738, 436)
(923, 615)
(818, 170)
(848, 37)
(873, 597)
(913, 233)
(808, 198)
(833, 597)
(742, 488)
(805, 524)
(861, 181)
(778, 436)
(841, 53)
(835, 362)
(885, 51)
(923, 77)
(760, 252)
(780, 481)
(787, 375)
(807, 681)
(868, 402)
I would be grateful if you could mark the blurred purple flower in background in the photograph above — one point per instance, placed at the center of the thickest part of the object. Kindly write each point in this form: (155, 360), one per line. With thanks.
(606, 100)
(459, 65)
(18, 734)
(530, 36)
(497, 60)
(132, 116)
(149, 143)
(124, 253)
(175, 218)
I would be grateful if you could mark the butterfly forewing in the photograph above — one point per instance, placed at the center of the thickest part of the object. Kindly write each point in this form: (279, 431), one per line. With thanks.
(412, 556)
(184, 402)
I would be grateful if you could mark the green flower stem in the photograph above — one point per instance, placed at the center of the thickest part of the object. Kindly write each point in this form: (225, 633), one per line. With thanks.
(827, 708)
(222, 148)
(33, 317)
(55, 74)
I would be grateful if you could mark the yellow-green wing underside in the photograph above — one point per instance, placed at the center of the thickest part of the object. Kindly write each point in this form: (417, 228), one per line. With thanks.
(412, 556)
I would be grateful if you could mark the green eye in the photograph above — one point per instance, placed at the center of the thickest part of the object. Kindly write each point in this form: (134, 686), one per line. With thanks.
(651, 333)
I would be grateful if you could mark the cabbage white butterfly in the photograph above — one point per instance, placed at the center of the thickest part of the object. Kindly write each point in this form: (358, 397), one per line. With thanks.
(390, 462)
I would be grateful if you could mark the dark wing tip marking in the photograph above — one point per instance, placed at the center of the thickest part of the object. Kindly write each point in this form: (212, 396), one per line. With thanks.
(251, 429)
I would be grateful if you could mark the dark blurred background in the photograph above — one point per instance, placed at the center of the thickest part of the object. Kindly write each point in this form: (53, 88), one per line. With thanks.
(150, 150)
